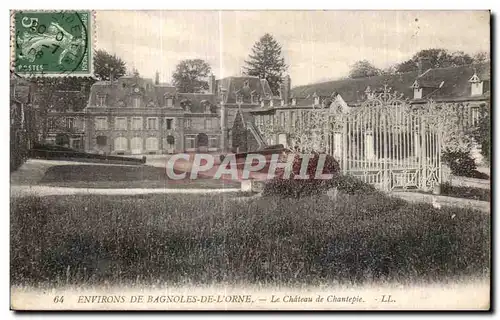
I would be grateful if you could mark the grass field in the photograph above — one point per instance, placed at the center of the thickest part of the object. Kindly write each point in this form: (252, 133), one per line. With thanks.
(353, 239)
(99, 176)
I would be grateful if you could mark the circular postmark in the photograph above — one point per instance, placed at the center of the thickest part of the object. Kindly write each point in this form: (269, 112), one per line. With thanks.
(52, 43)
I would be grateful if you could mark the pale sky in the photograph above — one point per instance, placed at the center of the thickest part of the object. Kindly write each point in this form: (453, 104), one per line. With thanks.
(317, 45)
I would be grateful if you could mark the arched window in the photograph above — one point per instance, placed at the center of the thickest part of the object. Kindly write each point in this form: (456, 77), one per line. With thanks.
(102, 140)
(136, 145)
(120, 144)
(169, 144)
(202, 140)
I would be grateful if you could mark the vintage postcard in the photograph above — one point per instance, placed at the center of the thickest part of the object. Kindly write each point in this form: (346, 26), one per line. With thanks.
(250, 160)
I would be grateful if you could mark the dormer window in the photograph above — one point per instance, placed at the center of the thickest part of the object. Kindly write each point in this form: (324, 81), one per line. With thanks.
(169, 102)
(101, 100)
(222, 93)
(239, 99)
(282, 102)
(254, 97)
(369, 93)
(186, 105)
(417, 90)
(262, 103)
(137, 102)
(206, 105)
(271, 103)
(316, 99)
(294, 102)
(417, 93)
(476, 85)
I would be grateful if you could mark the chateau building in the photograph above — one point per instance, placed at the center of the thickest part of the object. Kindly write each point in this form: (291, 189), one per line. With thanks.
(466, 87)
(133, 115)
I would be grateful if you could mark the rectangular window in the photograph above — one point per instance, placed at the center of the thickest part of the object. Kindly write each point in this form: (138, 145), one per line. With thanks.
(76, 144)
(190, 143)
(213, 143)
(137, 123)
(475, 115)
(169, 124)
(101, 123)
(152, 124)
(208, 124)
(120, 123)
(187, 123)
(282, 119)
(294, 118)
(50, 123)
(70, 122)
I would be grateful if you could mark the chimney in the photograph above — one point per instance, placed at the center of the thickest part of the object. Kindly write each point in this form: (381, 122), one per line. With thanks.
(424, 64)
(157, 78)
(211, 84)
(286, 89)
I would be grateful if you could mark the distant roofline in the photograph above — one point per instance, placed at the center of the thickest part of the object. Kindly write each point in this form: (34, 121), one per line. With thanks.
(391, 75)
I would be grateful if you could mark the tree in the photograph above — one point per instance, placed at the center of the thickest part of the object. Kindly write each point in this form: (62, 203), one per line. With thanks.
(107, 66)
(363, 69)
(45, 98)
(190, 74)
(436, 58)
(481, 57)
(266, 62)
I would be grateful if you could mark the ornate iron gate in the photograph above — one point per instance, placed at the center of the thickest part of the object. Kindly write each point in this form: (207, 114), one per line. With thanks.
(387, 142)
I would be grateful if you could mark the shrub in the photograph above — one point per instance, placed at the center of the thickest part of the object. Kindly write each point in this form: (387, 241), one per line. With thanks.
(301, 188)
(461, 163)
(447, 189)
(482, 135)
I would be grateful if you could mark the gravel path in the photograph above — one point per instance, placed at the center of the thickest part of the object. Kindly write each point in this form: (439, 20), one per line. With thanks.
(444, 200)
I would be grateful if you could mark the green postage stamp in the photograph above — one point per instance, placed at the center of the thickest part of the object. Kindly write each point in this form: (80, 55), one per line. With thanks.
(52, 43)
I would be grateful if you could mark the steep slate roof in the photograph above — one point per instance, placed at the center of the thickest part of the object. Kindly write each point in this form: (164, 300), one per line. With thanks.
(456, 84)
(234, 85)
(124, 88)
(456, 80)
(197, 102)
(353, 90)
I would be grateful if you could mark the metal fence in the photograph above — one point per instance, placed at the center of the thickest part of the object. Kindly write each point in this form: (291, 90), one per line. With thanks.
(389, 145)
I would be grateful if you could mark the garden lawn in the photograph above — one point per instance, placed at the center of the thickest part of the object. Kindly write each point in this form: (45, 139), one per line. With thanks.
(352, 239)
(99, 176)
